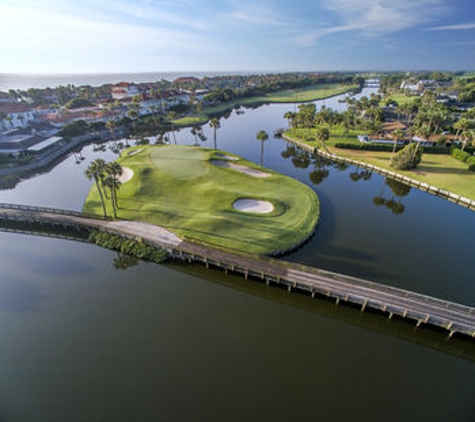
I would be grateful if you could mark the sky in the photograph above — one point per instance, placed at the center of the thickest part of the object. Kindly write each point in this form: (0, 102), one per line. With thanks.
(102, 36)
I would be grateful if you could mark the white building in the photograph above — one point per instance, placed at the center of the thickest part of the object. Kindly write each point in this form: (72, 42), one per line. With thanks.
(124, 90)
(15, 116)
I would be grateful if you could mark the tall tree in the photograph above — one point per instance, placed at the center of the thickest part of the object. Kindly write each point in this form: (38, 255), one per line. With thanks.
(95, 171)
(214, 123)
(171, 118)
(111, 124)
(262, 136)
(322, 134)
(396, 135)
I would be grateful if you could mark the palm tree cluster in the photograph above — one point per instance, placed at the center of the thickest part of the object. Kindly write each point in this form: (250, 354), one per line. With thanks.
(107, 178)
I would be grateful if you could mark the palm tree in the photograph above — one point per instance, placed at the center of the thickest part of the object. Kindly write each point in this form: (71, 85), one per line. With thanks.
(214, 123)
(396, 135)
(111, 125)
(95, 170)
(172, 117)
(194, 132)
(262, 136)
(290, 116)
(322, 134)
(111, 182)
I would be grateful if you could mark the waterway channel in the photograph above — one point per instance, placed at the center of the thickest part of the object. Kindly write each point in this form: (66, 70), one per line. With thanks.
(88, 335)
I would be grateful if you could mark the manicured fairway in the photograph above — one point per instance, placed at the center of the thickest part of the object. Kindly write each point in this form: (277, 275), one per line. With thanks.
(180, 189)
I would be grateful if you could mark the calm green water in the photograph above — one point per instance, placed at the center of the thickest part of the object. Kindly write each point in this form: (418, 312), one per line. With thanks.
(82, 340)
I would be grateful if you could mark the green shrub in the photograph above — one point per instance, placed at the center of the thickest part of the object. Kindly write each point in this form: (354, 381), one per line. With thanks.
(78, 103)
(471, 163)
(385, 147)
(408, 158)
(75, 128)
(367, 147)
(132, 247)
(460, 155)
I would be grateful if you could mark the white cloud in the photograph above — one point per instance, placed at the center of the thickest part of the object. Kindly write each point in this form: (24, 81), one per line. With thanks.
(456, 27)
(256, 14)
(374, 17)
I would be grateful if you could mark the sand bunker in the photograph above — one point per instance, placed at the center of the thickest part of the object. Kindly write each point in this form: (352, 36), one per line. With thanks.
(227, 157)
(135, 151)
(126, 175)
(253, 205)
(243, 169)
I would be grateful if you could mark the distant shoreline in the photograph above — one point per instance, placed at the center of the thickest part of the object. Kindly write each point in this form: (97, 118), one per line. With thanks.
(25, 81)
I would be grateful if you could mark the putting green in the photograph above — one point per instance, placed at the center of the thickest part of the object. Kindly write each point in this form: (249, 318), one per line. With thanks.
(180, 163)
(179, 188)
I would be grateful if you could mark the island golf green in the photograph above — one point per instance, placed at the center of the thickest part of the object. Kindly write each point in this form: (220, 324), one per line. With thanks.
(212, 197)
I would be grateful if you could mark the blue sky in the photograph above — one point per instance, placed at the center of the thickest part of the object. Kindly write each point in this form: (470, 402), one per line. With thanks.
(87, 36)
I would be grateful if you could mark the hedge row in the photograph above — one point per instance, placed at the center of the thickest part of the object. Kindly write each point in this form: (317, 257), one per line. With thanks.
(460, 155)
(128, 246)
(464, 156)
(386, 147)
(367, 147)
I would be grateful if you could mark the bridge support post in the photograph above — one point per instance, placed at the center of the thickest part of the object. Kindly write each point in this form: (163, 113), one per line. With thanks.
(363, 307)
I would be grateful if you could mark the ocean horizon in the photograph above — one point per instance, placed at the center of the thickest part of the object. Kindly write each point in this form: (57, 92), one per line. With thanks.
(24, 81)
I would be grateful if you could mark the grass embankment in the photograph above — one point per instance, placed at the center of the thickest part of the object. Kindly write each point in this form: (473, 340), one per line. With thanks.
(180, 189)
(440, 170)
(300, 95)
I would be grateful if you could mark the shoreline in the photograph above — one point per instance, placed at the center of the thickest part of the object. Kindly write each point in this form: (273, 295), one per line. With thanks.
(425, 187)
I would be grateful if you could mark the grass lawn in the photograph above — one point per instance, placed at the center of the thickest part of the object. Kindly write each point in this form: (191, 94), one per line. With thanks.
(190, 121)
(440, 170)
(180, 189)
(309, 93)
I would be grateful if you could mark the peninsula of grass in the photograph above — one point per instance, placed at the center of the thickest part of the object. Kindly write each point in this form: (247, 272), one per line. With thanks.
(190, 120)
(192, 192)
(300, 95)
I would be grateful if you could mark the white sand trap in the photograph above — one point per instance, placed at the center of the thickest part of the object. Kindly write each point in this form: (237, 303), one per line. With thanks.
(253, 205)
(227, 157)
(135, 151)
(126, 175)
(243, 169)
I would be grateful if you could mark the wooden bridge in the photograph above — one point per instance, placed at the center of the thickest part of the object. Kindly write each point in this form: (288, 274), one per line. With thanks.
(390, 301)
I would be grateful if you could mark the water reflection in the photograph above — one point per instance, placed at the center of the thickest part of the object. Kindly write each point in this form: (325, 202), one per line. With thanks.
(358, 175)
(302, 159)
(123, 261)
(398, 191)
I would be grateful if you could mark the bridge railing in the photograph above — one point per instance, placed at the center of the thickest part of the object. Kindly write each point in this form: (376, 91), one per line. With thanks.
(53, 211)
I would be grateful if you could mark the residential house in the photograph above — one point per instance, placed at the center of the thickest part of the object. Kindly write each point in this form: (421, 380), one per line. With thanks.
(124, 90)
(14, 115)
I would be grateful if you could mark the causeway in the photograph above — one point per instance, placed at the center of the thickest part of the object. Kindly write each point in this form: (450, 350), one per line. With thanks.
(368, 295)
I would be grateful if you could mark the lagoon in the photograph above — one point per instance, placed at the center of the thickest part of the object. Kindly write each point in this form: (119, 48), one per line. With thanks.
(85, 339)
